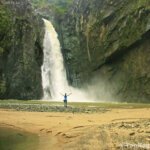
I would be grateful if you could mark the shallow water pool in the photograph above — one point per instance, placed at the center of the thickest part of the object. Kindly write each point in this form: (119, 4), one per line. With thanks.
(15, 139)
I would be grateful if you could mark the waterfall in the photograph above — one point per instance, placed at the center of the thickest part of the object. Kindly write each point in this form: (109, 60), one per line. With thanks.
(54, 78)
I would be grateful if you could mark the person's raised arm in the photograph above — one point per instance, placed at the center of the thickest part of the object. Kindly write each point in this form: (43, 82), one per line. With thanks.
(69, 94)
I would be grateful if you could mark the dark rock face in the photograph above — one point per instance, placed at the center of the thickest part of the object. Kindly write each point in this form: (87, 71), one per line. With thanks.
(20, 51)
(109, 40)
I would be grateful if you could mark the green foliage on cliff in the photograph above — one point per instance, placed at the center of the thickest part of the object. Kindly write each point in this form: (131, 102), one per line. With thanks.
(58, 6)
(5, 26)
(2, 87)
(20, 51)
(5, 20)
(1, 50)
(110, 40)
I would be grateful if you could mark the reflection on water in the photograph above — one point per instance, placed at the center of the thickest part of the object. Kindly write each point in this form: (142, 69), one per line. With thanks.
(14, 139)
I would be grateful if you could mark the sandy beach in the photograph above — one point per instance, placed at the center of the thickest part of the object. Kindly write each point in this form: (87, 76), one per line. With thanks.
(81, 130)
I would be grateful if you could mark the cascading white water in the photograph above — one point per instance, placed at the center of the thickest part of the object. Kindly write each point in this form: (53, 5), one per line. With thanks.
(54, 79)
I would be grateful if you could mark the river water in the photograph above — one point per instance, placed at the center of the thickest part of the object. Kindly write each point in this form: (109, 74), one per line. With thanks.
(15, 139)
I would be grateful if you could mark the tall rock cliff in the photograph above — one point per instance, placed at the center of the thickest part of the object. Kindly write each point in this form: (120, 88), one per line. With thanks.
(20, 51)
(109, 41)
(104, 42)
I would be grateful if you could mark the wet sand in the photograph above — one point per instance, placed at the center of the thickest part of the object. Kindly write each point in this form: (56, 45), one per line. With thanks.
(80, 130)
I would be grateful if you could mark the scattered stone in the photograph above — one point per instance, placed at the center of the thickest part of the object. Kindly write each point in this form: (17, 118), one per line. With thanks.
(116, 133)
(90, 121)
(63, 134)
(140, 131)
(41, 129)
(118, 147)
(50, 108)
(58, 133)
(132, 133)
(122, 125)
(148, 136)
(49, 131)
(147, 131)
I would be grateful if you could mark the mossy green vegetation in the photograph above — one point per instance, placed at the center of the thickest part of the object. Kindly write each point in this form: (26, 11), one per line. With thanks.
(2, 87)
(1, 50)
(5, 42)
(6, 22)
(59, 7)
(15, 139)
(5, 26)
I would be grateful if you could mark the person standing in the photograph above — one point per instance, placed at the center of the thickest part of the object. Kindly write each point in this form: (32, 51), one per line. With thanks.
(66, 99)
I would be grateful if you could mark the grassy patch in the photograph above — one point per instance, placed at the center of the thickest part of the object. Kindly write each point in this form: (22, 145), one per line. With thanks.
(74, 107)
(111, 105)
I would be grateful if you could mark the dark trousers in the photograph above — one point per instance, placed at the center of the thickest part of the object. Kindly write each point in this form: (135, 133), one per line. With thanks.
(65, 103)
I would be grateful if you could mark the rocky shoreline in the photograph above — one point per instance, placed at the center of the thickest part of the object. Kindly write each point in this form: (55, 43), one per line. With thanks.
(51, 108)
